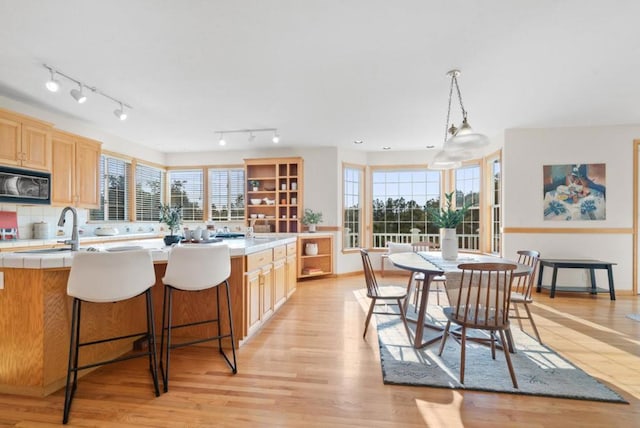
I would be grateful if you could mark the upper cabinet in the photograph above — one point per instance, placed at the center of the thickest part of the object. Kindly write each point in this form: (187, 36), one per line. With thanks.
(24, 142)
(76, 167)
(274, 194)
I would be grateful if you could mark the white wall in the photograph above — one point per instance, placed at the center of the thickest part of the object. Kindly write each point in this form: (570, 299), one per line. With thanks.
(524, 154)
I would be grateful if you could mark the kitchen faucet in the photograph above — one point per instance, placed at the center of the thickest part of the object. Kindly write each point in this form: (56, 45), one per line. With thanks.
(74, 241)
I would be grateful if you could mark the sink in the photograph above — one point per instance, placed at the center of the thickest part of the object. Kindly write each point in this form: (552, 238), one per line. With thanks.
(46, 251)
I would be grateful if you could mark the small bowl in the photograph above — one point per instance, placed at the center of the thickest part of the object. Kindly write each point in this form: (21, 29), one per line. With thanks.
(260, 215)
(255, 201)
(254, 215)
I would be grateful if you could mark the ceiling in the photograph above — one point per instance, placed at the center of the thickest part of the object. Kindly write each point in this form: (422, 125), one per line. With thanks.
(324, 72)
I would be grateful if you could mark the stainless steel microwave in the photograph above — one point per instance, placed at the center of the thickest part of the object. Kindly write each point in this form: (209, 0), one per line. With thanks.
(21, 186)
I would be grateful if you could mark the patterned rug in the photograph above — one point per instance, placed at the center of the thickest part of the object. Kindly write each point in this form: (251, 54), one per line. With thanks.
(539, 370)
(635, 317)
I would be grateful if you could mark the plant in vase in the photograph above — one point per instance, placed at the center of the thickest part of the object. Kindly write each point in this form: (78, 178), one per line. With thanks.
(172, 217)
(448, 219)
(254, 185)
(311, 219)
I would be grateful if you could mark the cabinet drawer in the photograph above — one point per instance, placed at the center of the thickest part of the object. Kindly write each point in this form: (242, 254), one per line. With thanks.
(279, 252)
(291, 249)
(256, 260)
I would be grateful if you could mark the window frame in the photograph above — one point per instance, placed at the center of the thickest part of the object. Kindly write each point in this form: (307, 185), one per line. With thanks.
(229, 196)
(428, 234)
(161, 186)
(203, 189)
(104, 190)
(360, 170)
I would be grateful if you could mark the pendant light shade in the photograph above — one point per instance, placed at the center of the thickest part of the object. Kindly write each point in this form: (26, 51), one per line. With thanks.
(464, 141)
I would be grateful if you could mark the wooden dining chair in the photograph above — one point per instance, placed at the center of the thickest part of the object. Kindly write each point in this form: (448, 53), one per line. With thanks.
(437, 281)
(388, 294)
(479, 299)
(522, 288)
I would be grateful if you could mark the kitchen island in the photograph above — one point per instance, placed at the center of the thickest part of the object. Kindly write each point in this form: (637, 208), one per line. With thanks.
(35, 310)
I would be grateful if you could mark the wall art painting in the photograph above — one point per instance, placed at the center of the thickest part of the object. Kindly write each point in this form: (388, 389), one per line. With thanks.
(574, 192)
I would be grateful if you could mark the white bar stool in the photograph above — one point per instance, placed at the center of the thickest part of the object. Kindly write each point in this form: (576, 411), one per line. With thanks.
(195, 268)
(105, 277)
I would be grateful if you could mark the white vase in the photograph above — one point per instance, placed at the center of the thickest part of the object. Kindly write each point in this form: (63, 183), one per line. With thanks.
(311, 249)
(449, 244)
(312, 227)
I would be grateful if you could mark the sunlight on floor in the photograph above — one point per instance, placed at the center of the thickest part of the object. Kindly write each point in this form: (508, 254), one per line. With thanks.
(446, 415)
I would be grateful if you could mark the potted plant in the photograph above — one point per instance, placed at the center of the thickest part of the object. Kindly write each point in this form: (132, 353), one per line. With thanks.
(172, 217)
(311, 219)
(448, 219)
(254, 184)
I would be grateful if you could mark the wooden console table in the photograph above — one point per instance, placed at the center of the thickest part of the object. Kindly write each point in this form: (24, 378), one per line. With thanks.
(592, 265)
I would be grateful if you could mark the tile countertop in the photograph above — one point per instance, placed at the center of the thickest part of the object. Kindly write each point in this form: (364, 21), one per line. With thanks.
(159, 252)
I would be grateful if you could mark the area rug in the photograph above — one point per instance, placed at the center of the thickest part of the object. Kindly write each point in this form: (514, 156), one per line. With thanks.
(539, 370)
(635, 317)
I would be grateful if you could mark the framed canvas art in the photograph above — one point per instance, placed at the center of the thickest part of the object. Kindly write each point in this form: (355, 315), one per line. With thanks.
(574, 192)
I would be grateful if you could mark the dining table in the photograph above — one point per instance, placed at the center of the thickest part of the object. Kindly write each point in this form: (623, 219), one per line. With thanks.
(432, 264)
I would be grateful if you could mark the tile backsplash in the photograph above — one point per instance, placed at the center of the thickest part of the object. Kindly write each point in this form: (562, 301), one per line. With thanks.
(30, 214)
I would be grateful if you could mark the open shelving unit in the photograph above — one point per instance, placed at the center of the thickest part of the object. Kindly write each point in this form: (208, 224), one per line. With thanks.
(279, 193)
(318, 264)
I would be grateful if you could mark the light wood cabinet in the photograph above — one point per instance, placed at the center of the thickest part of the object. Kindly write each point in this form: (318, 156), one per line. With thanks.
(270, 279)
(290, 269)
(279, 276)
(275, 204)
(24, 142)
(320, 263)
(75, 171)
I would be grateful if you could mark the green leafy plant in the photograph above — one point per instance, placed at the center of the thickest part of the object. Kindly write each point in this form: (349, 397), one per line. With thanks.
(171, 216)
(448, 217)
(311, 217)
(254, 183)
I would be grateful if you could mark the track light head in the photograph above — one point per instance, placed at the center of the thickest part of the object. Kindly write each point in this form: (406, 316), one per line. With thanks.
(78, 95)
(221, 141)
(53, 85)
(120, 113)
(276, 138)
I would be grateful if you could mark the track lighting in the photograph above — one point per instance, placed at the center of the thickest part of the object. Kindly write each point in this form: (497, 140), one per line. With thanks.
(251, 132)
(80, 93)
(120, 113)
(53, 85)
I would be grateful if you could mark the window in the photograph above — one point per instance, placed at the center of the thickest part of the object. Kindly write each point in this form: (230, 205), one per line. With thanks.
(496, 222)
(226, 194)
(148, 192)
(352, 206)
(186, 190)
(468, 190)
(399, 201)
(114, 181)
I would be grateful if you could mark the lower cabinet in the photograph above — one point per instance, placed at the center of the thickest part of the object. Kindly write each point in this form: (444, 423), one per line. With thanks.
(268, 284)
(291, 271)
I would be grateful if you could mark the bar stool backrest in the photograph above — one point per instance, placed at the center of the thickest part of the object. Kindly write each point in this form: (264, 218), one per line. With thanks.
(197, 267)
(110, 277)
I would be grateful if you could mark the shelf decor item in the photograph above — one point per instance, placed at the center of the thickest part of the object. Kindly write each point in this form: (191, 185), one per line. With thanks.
(254, 185)
(172, 217)
(311, 249)
(311, 219)
(448, 219)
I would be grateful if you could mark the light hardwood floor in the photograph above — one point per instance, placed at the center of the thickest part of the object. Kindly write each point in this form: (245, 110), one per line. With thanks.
(310, 367)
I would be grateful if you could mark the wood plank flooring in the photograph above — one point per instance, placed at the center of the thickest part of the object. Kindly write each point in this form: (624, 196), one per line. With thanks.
(310, 367)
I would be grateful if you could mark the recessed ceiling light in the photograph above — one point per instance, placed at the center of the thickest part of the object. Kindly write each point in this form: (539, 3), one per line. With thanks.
(386, 148)
(358, 142)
